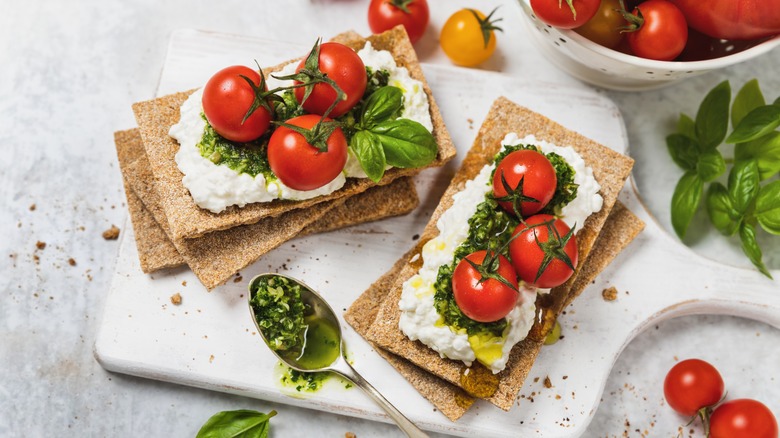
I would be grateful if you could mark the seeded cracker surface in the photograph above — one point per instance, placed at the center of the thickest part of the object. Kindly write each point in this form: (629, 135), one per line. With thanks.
(609, 168)
(187, 220)
(156, 250)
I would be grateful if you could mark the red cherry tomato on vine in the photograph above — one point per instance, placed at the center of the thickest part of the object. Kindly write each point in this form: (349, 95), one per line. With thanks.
(227, 97)
(386, 14)
(539, 244)
(604, 28)
(661, 31)
(691, 385)
(538, 178)
(298, 164)
(488, 300)
(743, 418)
(343, 66)
(565, 14)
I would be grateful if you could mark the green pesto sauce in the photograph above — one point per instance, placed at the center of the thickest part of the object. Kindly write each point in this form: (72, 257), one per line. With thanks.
(490, 228)
(280, 313)
(252, 157)
(300, 383)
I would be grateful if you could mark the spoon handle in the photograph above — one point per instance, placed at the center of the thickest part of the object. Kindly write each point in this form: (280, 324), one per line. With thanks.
(343, 368)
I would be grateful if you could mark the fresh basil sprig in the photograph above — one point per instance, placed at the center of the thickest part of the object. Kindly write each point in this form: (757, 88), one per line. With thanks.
(242, 423)
(743, 203)
(381, 138)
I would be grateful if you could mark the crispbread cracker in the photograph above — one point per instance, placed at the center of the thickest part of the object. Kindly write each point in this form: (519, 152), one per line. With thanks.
(621, 228)
(452, 401)
(187, 220)
(609, 168)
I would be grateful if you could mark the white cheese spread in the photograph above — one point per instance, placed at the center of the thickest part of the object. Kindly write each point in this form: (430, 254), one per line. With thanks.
(215, 187)
(419, 319)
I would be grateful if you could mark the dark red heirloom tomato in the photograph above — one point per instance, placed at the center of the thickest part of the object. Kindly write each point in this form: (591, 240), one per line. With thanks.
(346, 69)
(691, 385)
(538, 181)
(298, 164)
(743, 418)
(565, 14)
(386, 14)
(227, 98)
(484, 300)
(732, 19)
(544, 253)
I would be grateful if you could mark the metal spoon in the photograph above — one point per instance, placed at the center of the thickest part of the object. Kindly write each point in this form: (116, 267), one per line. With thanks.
(340, 366)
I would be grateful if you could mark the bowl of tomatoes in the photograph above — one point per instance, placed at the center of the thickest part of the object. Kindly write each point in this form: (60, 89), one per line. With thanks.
(645, 44)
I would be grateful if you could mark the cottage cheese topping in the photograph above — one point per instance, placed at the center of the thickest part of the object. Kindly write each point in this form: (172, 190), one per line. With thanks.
(215, 187)
(419, 319)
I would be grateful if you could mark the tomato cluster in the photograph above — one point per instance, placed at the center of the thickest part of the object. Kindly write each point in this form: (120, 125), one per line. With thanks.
(542, 250)
(694, 387)
(303, 153)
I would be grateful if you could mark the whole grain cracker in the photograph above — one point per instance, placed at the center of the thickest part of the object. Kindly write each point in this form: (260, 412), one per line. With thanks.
(609, 168)
(187, 220)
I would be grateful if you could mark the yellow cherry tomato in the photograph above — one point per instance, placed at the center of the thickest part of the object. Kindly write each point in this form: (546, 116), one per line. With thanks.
(468, 37)
(605, 27)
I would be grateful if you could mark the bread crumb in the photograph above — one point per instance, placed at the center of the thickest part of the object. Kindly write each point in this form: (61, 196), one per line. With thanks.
(609, 294)
(40, 245)
(176, 299)
(350, 435)
(111, 233)
(33, 207)
(547, 382)
(238, 279)
(72, 261)
(184, 283)
(211, 358)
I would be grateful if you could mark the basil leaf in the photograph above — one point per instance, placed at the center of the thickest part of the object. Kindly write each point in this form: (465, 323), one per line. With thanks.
(712, 119)
(685, 201)
(683, 151)
(686, 126)
(711, 165)
(758, 123)
(721, 211)
(743, 184)
(777, 101)
(382, 104)
(768, 207)
(241, 423)
(370, 154)
(747, 234)
(406, 143)
(766, 152)
(748, 98)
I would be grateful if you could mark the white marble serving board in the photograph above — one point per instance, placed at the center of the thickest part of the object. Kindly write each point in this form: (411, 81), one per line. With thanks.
(208, 341)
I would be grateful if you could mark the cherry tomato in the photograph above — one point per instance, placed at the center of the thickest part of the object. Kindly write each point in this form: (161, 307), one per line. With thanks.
(565, 14)
(604, 27)
(298, 164)
(691, 385)
(536, 245)
(227, 97)
(468, 37)
(743, 418)
(538, 177)
(732, 19)
(661, 31)
(484, 300)
(345, 67)
(386, 14)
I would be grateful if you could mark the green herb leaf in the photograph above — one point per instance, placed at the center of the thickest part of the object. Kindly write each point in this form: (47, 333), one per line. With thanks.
(370, 154)
(685, 201)
(710, 165)
(747, 233)
(712, 119)
(242, 423)
(768, 207)
(721, 211)
(777, 101)
(743, 184)
(406, 143)
(683, 151)
(758, 123)
(686, 126)
(383, 104)
(748, 98)
(766, 152)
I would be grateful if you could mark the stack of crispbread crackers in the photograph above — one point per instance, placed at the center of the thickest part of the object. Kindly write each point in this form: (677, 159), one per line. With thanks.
(171, 230)
(375, 314)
